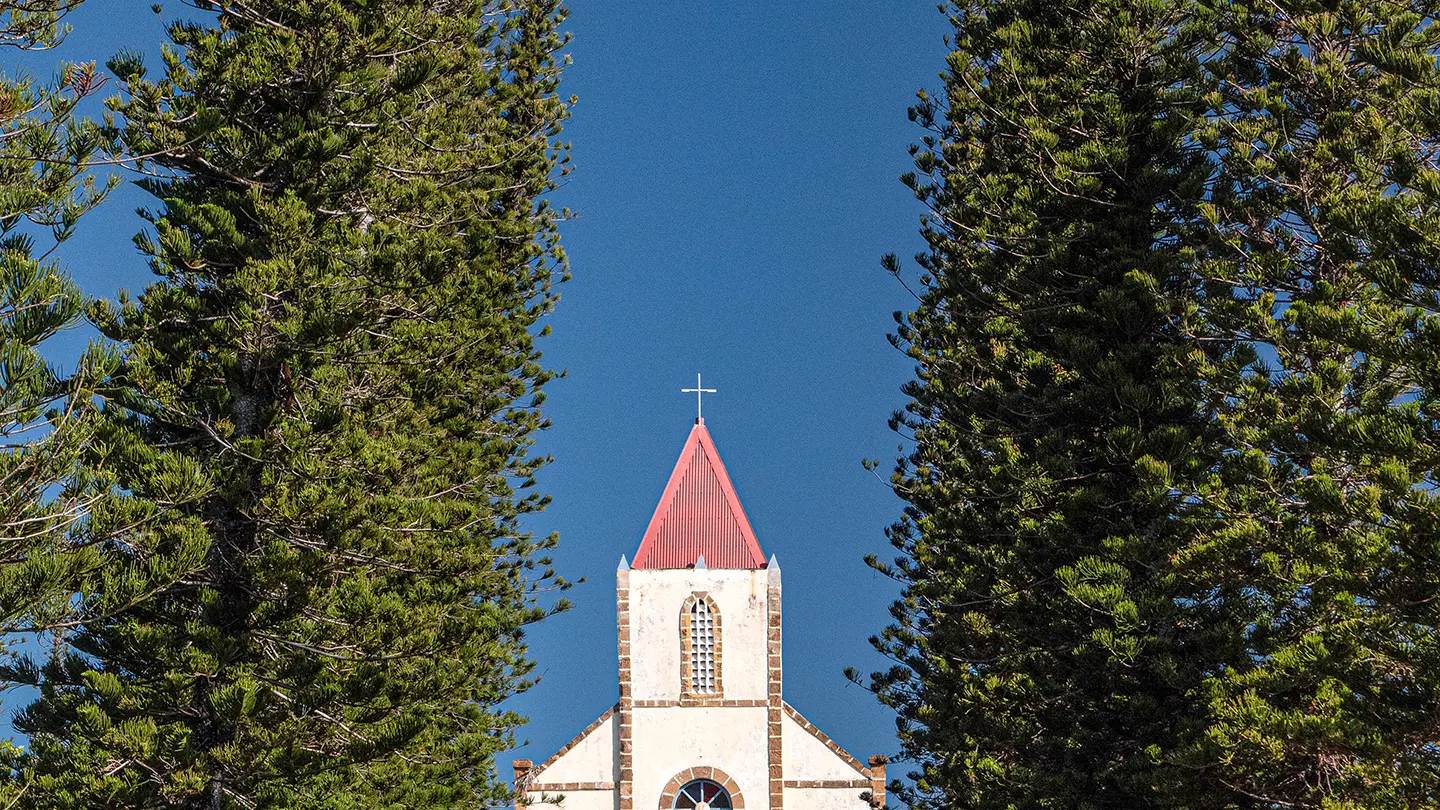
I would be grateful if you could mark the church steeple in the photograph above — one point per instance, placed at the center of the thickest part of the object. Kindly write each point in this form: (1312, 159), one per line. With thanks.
(701, 722)
(699, 515)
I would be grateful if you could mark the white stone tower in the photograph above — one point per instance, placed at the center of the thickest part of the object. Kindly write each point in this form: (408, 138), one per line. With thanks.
(701, 723)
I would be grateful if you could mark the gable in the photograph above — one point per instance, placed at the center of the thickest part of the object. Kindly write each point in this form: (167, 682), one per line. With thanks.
(699, 515)
(588, 758)
(811, 756)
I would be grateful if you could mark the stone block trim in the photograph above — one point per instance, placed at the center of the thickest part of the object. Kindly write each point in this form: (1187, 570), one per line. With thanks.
(565, 749)
(863, 784)
(689, 697)
(521, 782)
(877, 781)
(729, 703)
(625, 708)
(679, 780)
(774, 701)
(569, 787)
(829, 743)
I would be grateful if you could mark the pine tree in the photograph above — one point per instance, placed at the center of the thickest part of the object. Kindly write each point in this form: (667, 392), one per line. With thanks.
(1324, 222)
(1048, 648)
(45, 417)
(1175, 550)
(329, 394)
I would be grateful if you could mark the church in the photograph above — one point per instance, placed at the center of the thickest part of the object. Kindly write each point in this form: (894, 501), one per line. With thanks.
(702, 723)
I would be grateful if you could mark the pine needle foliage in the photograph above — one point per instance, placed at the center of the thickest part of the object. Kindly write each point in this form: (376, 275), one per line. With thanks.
(1324, 220)
(326, 405)
(1048, 651)
(1170, 528)
(46, 186)
(34, 24)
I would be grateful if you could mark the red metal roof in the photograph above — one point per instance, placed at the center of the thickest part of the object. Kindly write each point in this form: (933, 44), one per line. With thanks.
(699, 514)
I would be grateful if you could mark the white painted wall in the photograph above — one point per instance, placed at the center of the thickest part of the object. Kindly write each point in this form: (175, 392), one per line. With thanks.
(656, 596)
(807, 758)
(667, 741)
(821, 799)
(576, 800)
(592, 760)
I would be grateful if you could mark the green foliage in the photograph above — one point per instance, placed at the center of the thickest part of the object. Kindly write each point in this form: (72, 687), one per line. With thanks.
(322, 420)
(36, 24)
(1169, 535)
(45, 416)
(1324, 120)
(1045, 654)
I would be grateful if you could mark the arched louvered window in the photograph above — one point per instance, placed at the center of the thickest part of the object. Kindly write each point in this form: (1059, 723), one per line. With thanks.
(700, 647)
(702, 639)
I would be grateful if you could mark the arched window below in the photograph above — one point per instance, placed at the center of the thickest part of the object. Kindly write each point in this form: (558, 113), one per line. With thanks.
(702, 794)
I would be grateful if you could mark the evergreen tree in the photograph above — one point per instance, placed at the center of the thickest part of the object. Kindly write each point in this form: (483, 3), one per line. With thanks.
(1049, 651)
(1324, 221)
(1169, 538)
(45, 416)
(328, 396)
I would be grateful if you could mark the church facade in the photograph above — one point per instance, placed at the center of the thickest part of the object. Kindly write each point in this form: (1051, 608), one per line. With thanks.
(702, 723)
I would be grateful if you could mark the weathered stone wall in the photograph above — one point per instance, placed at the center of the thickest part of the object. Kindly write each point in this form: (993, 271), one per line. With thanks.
(657, 599)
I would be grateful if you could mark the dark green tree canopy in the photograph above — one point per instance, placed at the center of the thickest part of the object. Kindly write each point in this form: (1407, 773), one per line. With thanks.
(323, 415)
(1044, 652)
(1169, 535)
(1322, 221)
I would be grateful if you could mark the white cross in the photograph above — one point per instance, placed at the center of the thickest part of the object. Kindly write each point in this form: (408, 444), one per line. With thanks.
(698, 392)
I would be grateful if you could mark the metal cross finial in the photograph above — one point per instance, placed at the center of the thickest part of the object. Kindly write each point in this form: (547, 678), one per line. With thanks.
(699, 392)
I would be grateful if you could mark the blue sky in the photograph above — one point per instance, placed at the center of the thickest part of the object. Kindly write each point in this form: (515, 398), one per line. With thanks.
(734, 188)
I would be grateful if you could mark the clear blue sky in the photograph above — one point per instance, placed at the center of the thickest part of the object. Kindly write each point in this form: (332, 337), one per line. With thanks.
(734, 188)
